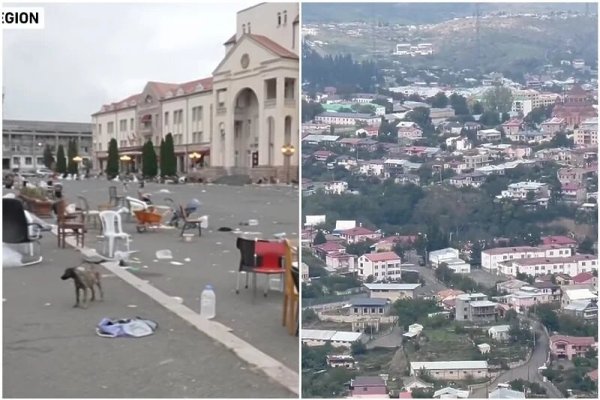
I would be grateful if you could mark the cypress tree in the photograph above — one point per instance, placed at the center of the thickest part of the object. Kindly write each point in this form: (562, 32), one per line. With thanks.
(162, 152)
(72, 153)
(149, 165)
(171, 160)
(112, 163)
(48, 156)
(61, 161)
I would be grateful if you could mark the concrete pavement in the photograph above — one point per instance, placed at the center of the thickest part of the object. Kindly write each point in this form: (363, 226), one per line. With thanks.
(52, 350)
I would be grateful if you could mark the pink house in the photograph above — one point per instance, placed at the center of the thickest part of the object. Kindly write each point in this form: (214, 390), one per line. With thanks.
(560, 240)
(359, 234)
(327, 248)
(512, 126)
(570, 346)
(586, 278)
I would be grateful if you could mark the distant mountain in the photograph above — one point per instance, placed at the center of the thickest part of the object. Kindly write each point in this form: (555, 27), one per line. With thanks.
(422, 13)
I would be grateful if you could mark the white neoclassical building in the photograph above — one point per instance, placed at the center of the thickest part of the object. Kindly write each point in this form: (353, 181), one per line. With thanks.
(238, 120)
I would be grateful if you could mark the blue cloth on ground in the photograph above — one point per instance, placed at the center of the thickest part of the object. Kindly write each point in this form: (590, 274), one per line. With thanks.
(130, 327)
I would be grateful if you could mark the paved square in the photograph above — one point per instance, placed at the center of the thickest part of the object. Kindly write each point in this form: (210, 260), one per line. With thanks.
(213, 260)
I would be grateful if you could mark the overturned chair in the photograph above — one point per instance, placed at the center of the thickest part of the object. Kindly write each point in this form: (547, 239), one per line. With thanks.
(17, 230)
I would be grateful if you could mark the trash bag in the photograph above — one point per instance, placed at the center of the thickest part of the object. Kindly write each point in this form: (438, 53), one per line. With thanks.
(127, 327)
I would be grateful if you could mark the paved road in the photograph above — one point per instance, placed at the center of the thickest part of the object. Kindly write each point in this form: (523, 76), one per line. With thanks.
(528, 371)
(51, 349)
(432, 285)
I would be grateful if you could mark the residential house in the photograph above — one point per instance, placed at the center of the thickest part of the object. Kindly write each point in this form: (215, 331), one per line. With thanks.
(322, 155)
(586, 310)
(550, 291)
(576, 107)
(473, 161)
(450, 128)
(490, 258)
(529, 136)
(576, 295)
(473, 179)
(369, 131)
(371, 168)
(489, 135)
(440, 256)
(409, 130)
(354, 144)
(512, 126)
(474, 307)
(319, 139)
(392, 291)
(451, 370)
(499, 333)
(455, 165)
(335, 187)
(586, 279)
(359, 234)
(573, 192)
(459, 143)
(510, 286)
(341, 361)
(560, 240)
(369, 306)
(406, 179)
(388, 243)
(575, 175)
(451, 393)
(484, 348)
(571, 265)
(472, 126)
(515, 152)
(340, 262)
(526, 191)
(327, 248)
(319, 337)
(411, 383)
(448, 294)
(382, 266)
(368, 387)
(305, 273)
(586, 135)
(553, 126)
(593, 375)
(568, 347)
(347, 119)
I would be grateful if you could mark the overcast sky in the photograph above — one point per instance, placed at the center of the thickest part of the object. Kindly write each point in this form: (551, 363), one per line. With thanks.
(91, 54)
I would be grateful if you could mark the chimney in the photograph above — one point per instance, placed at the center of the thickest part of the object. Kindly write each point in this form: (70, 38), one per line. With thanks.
(360, 224)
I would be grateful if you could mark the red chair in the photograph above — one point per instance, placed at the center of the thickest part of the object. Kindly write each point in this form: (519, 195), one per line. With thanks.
(265, 257)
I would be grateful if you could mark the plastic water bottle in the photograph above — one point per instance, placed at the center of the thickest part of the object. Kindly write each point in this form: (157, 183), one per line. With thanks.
(208, 303)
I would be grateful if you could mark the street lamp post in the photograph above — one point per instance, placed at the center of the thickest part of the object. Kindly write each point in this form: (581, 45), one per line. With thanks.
(78, 160)
(288, 151)
(125, 158)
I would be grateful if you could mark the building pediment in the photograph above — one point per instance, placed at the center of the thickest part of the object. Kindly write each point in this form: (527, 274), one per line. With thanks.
(251, 52)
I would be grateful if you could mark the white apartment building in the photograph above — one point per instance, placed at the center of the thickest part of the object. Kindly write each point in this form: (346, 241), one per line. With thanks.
(437, 257)
(382, 266)
(520, 190)
(491, 258)
(347, 119)
(238, 119)
(571, 265)
(336, 187)
(586, 135)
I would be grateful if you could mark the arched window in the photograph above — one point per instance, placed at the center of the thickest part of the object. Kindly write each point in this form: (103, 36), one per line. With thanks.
(278, 19)
(243, 28)
(285, 17)
(249, 28)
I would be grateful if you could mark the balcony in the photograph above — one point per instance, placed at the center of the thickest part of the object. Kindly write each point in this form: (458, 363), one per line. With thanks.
(270, 103)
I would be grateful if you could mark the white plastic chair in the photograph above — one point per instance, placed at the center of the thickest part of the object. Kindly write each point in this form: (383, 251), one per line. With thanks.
(112, 230)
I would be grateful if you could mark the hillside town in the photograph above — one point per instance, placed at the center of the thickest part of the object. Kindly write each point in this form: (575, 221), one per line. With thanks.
(450, 236)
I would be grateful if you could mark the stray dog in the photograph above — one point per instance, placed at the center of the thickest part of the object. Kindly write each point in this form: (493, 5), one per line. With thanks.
(85, 277)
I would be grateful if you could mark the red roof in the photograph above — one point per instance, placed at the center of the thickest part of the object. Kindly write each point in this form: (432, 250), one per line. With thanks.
(357, 231)
(593, 375)
(369, 390)
(573, 340)
(329, 246)
(274, 47)
(513, 122)
(383, 256)
(405, 395)
(583, 277)
(563, 240)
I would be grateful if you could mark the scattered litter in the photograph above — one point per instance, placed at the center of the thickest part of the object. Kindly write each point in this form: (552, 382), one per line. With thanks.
(188, 237)
(203, 191)
(104, 387)
(131, 306)
(252, 222)
(226, 251)
(219, 243)
(187, 259)
(164, 254)
(178, 299)
(155, 260)
(144, 266)
(280, 235)
(176, 263)
(167, 361)
(164, 191)
(134, 327)
(48, 304)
